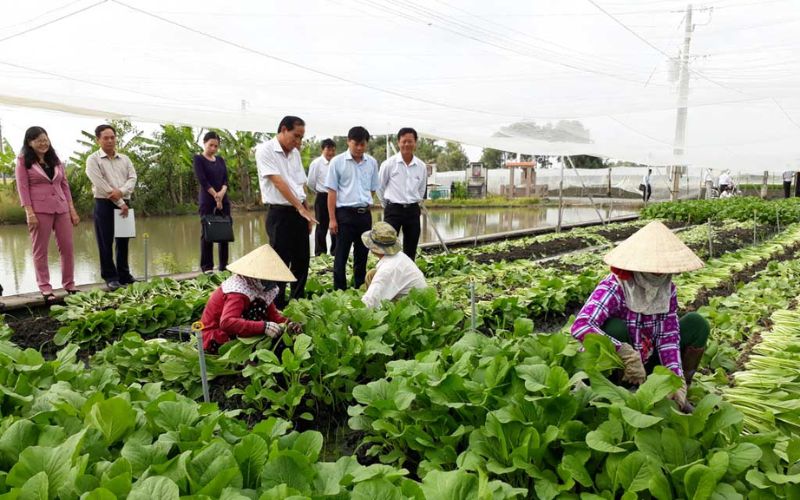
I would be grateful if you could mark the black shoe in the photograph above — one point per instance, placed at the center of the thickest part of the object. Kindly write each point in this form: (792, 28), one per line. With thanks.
(113, 285)
(49, 299)
(128, 281)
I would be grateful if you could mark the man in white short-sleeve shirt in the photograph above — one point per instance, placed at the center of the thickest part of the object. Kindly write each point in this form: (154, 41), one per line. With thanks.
(289, 222)
(403, 181)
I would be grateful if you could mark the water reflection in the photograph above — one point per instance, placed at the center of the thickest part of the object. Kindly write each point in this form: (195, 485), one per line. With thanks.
(173, 244)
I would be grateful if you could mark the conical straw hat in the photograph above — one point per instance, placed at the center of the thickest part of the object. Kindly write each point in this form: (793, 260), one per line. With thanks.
(263, 264)
(653, 249)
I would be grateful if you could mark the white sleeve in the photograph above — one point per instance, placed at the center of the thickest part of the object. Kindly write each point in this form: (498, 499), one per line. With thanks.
(383, 287)
(265, 162)
(424, 182)
(312, 174)
(383, 179)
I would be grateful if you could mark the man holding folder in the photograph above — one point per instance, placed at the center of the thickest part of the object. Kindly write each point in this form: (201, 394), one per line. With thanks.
(113, 179)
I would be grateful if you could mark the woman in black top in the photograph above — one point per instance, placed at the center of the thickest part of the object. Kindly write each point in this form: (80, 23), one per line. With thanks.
(212, 174)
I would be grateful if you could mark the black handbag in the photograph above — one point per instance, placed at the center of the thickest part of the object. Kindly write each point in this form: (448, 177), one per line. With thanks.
(642, 187)
(217, 228)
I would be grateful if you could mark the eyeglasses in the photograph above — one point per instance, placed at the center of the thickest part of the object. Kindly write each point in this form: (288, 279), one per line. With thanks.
(41, 141)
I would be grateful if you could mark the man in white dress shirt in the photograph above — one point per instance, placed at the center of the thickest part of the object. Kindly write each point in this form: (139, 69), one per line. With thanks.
(317, 173)
(289, 222)
(396, 274)
(403, 181)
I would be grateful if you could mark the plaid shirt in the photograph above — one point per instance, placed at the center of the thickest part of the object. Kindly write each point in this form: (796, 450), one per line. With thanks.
(648, 332)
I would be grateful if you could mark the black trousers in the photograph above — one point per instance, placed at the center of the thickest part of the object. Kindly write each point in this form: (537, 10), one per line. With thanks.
(352, 224)
(787, 189)
(648, 190)
(405, 218)
(207, 247)
(104, 233)
(288, 235)
(321, 232)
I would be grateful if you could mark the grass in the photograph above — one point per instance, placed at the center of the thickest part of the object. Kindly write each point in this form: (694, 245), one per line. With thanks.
(10, 210)
(490, 201)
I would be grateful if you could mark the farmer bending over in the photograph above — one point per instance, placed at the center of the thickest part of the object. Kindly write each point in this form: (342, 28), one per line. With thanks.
(243, 305)
(637, 307)
(395, 274)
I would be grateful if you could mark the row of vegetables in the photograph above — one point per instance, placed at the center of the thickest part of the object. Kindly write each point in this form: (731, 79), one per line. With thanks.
(439, 411)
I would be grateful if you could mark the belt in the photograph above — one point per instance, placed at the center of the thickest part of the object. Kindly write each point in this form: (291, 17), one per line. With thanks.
(360, 210)
(402, 205)
(279, 207)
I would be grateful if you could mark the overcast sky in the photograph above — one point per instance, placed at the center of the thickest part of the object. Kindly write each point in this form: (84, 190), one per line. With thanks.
(462, 70)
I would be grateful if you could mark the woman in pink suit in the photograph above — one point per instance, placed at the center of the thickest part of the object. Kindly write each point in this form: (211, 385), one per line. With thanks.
(46, 197)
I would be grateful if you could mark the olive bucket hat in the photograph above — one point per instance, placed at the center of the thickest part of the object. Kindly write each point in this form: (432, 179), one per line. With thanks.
(382, 238)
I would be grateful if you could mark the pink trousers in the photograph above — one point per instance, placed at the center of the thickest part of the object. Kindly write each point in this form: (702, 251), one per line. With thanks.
(40, 238)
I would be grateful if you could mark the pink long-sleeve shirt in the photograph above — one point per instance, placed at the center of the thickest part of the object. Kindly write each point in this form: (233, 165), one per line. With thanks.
(648, 332)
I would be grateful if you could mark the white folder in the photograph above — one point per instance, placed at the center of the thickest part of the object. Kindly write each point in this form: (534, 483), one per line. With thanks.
(124, 227)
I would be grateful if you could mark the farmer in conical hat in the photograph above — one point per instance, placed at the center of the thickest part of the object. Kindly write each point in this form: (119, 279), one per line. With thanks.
(243, 304)
(637, 307)
(396, 274)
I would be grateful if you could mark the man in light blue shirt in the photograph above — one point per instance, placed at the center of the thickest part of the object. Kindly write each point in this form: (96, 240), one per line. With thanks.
(351, 183)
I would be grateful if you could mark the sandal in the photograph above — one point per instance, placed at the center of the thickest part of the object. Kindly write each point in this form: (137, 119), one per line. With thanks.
(49, 298)
(73, 291)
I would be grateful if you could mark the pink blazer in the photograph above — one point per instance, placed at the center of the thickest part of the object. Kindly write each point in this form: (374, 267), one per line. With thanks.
(37, 190)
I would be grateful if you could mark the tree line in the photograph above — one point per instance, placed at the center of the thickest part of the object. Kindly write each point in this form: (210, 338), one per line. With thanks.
(166, 181)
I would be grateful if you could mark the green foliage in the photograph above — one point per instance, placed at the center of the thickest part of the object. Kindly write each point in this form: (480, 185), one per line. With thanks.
(765, 212)
(451, 158)
(8, 159)
(238, 150)
(499, 413)
(458, 190)
(492, 158)
(586, 161)
(167, 178)
(145, 307)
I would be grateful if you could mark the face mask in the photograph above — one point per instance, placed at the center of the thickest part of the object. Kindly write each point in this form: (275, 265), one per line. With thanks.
(268, 285)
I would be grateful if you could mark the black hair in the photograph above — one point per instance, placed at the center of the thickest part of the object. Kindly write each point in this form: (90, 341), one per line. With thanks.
(406, 130)
(290, 122)
(210, 135)
(328, 143)
(358, 134)
(29, 155)
(100, 128)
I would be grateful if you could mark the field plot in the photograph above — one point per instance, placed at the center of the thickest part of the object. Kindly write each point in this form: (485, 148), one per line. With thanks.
(419, 399)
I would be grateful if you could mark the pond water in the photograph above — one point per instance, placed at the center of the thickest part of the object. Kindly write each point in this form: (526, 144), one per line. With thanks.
(174, 240)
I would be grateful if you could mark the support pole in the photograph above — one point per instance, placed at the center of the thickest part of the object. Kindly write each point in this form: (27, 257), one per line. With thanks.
(197, 328)
(146, 238)
(778, 219)
(710, 239)
(755, 226)
(679, 143)
(435, 230)
(602, 221)
(560, 196)
(764, 183)
(472, 305)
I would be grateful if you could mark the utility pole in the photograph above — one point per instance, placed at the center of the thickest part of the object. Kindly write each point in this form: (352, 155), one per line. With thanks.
(679, 145)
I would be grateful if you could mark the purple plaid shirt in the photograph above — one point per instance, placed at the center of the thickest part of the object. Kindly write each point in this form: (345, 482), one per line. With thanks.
(647, 332)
